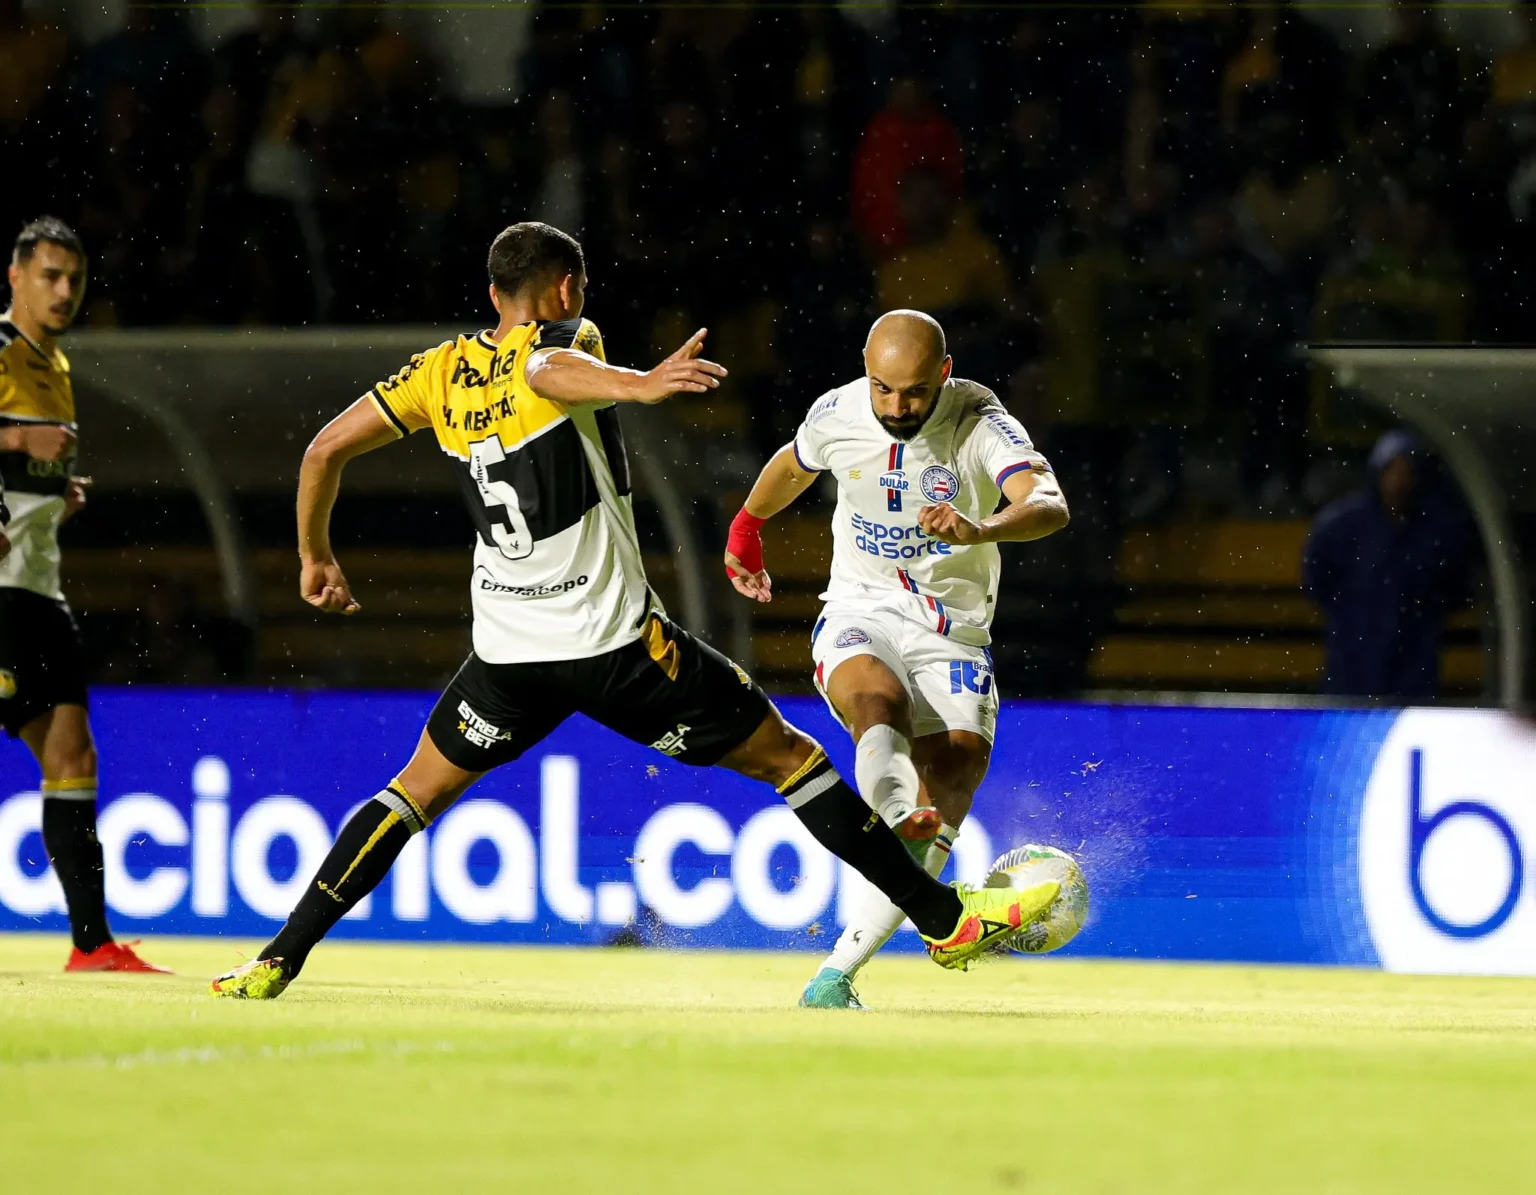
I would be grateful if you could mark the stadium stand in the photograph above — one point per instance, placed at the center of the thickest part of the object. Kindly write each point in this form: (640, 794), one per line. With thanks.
(1134, 214)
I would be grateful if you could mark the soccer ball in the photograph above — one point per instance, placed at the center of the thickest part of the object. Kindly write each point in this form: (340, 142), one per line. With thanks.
(1031, 864)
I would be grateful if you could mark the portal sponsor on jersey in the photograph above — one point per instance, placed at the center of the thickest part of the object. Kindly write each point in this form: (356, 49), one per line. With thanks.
(489, 584)
(894, 543)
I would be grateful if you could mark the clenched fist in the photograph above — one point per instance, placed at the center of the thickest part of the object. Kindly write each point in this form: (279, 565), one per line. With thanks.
(948, 525)
(323, 586)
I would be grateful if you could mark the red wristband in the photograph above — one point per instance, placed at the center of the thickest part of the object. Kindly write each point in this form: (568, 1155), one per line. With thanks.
(745, 542)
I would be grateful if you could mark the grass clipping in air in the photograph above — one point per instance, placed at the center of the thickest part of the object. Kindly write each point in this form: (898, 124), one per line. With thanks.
(411, 1069)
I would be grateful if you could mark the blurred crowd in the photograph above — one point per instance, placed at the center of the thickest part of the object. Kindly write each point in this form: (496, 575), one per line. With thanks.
(1126, 219)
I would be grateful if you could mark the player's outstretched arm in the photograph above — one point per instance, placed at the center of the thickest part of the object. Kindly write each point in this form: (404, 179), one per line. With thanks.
(1036, 508)
(358, 429)
(572, 377)
(780, 483)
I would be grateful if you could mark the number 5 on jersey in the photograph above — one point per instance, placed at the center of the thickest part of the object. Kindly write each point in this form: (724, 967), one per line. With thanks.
(487, 466)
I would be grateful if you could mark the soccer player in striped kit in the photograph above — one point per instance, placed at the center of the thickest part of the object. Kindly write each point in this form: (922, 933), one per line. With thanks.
(922, 461)
(43, 698)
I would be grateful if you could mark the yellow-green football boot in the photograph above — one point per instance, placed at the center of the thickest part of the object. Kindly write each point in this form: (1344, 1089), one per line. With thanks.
(259, 979)
(989, 918)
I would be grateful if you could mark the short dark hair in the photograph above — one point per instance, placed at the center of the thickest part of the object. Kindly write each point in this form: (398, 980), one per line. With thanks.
(46, 230)
(531, 253)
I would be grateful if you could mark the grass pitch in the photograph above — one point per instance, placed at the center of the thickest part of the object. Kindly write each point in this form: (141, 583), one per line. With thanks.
(424, 1069)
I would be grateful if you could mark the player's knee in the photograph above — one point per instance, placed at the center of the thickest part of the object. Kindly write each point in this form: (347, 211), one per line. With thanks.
(70, 760)
(880, 708)
(774, 753)
(792, 755)
(66, 749)
(432, 794)
(867, 693)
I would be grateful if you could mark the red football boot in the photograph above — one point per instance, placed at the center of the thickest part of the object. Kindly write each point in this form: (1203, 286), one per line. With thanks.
(112, 956)
(918, 830)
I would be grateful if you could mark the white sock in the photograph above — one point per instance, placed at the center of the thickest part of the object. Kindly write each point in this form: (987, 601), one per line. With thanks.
(874, 918)
(883, 768)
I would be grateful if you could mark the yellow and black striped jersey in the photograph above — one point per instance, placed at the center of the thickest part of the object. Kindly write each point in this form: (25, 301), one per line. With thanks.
(34, 388)
(558, 573)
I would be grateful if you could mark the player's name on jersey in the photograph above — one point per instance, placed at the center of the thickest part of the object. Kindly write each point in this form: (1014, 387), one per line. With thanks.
(478, 421)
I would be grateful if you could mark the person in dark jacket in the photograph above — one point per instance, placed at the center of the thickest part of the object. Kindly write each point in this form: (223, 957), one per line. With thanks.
(1386, 565)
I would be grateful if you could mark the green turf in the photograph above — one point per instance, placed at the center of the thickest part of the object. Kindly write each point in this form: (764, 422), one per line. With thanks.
(424, 1069)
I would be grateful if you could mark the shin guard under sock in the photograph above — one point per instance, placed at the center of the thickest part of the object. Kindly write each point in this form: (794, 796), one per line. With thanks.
(366, 848)
(69, 834)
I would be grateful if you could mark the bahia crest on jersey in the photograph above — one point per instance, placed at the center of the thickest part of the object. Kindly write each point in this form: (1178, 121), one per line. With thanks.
(963, 455)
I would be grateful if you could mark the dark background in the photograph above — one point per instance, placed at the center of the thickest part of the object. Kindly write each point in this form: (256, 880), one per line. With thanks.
(1126, 220)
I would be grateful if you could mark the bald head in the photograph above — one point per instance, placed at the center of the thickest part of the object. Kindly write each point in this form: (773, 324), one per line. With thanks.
(906, 341)
(908, 363)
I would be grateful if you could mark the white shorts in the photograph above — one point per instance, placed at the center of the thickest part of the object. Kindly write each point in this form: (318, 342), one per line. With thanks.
(950, 684)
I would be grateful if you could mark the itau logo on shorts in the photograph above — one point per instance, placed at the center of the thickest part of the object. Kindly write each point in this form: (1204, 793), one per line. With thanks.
(1448, 817)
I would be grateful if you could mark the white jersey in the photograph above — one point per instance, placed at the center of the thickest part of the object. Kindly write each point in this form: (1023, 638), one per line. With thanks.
(963, 454)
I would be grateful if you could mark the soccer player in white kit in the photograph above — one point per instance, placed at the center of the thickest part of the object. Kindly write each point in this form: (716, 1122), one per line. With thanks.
(922, 462)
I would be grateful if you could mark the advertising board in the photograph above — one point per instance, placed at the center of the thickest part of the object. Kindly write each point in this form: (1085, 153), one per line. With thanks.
(1393, 838)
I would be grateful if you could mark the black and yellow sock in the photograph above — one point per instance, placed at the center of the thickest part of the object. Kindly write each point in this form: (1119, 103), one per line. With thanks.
(366, 848)
(841, 821)
(69, 834)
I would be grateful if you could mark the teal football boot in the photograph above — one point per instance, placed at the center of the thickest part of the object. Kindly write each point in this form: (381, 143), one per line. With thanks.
(831, 989)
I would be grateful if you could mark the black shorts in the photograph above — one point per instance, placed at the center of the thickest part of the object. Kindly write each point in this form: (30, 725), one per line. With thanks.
(42, 663)
(665, 690)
